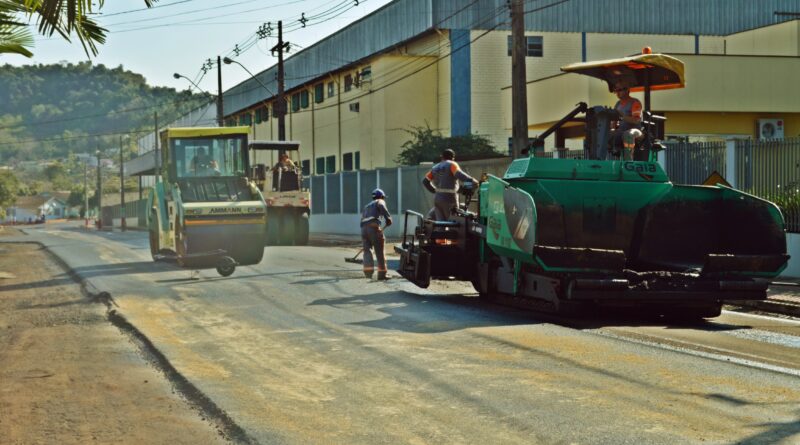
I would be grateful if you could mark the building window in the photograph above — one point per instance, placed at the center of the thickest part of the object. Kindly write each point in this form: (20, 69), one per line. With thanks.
(262, 114)
(320, 166)
(295, 101)
(348, 82)
(319, 93)
(331, 89)
(304, 99)
(306, 166)
(366, 73)
(330, 164)
(347, 162)
(245, 119)
(357, 160)
(534, 45)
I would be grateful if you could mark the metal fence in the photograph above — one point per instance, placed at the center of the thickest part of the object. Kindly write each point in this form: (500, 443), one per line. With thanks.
(692, 163)
(348, 192)
(771, 169)
(768, 169)
(135, 213)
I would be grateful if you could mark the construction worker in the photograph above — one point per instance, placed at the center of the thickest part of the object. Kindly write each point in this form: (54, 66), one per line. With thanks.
(442, 181)
(629, 129)
(201, 163)
(372, 234)
(284, 163)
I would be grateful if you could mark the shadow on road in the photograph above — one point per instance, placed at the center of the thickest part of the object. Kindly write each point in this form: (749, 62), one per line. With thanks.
(426, 314)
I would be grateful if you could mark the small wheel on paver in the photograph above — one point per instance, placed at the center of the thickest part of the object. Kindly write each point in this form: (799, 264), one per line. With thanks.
(226, 266)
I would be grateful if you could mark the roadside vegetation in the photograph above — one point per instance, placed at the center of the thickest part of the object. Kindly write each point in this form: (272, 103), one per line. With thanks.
(427, 144)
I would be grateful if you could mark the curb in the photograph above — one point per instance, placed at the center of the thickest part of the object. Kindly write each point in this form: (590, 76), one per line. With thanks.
(770, 306)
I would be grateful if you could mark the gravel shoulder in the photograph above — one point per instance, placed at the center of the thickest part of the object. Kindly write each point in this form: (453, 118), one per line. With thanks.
(68, 375)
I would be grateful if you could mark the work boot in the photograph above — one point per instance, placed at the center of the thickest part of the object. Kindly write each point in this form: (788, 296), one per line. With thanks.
(368, 274)
(382, 276)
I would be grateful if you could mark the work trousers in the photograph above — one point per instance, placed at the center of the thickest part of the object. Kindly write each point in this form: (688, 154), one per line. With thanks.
(443, 204)
(372, 238)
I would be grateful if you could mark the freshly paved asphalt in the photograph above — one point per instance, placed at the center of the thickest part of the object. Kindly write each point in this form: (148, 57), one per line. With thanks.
(302, 349)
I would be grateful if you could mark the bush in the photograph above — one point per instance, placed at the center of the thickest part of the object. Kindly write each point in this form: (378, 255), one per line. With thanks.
(426, 145)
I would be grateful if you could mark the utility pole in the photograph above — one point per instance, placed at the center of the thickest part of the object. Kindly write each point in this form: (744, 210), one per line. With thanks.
(157, 154)
(86, 192)
(219, 93)
(99, 190)
(121, 185)
(519, 99)
(281, 100)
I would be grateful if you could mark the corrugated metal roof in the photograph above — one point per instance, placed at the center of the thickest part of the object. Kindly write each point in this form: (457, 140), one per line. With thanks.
(402, 20)
(704, 17)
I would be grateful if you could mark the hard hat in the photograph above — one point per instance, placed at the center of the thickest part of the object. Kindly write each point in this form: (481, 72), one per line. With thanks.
(378, 194)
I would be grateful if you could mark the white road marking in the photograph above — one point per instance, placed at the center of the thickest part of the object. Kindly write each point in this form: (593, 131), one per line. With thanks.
(709, 355)
(774, 338)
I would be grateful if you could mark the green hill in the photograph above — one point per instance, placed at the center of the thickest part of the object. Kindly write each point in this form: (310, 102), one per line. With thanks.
(50, 111)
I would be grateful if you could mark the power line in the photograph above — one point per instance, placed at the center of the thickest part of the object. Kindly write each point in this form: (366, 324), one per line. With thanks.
(392, 82)
(82, 136)
(496, 12)
(130, 11)
(200, 20)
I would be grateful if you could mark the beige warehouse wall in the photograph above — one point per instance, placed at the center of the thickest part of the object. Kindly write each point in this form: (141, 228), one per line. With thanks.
(611, 46)
(726, 124)
(735, 84)
(443, 84)
(782, 39)
(491, 71)
(411, 102)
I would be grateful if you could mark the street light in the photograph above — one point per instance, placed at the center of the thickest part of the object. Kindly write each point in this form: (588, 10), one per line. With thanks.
(218, 96)
(280, 102)
(178, 76)
(228, 61)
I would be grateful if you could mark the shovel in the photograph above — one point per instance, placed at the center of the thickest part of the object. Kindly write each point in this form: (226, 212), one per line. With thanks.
(355, 259)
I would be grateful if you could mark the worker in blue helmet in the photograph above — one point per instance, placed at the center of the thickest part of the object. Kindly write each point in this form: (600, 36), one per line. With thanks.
(373, 215)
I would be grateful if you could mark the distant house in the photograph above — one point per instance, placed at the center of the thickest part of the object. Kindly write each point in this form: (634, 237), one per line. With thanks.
(29, 208)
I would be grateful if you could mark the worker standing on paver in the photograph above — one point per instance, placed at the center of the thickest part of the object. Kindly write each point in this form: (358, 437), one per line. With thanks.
(442, 181)
(372, 234)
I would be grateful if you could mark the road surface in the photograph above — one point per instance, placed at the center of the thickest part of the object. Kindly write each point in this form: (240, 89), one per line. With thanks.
(302, 349)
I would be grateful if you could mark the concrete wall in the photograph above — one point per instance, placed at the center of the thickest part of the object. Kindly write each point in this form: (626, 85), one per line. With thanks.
(793, 246)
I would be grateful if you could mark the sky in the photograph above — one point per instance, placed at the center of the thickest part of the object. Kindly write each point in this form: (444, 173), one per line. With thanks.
(178, 36)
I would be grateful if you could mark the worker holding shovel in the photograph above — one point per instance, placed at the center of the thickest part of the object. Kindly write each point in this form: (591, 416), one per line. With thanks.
(372, 234)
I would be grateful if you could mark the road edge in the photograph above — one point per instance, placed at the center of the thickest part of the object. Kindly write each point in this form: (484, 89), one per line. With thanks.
(209, 411)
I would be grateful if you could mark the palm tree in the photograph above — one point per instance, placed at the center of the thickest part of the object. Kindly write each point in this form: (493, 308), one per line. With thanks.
(65, 17)
(14, 35)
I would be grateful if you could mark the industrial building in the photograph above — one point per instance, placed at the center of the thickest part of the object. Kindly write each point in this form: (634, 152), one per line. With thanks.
(353, 96)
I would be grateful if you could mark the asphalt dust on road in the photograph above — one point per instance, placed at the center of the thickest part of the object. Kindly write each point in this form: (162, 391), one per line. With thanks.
(67, 375)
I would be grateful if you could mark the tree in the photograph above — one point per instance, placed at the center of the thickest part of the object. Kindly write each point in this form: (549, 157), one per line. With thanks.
(426, 145)
(14, 35)
(9, 185)
(65, 17)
